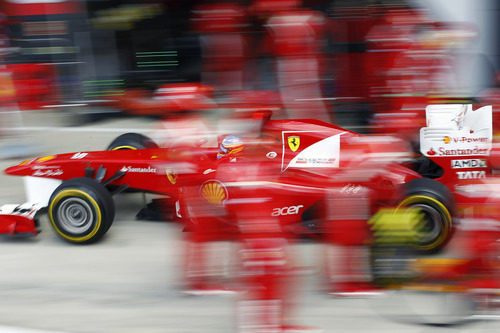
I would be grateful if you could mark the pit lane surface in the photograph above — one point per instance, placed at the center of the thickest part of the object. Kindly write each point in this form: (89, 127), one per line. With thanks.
(129, 281)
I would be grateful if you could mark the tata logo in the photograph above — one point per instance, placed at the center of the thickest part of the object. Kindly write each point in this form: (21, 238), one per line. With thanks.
(294, 142)
(291, 210)
(471, 174)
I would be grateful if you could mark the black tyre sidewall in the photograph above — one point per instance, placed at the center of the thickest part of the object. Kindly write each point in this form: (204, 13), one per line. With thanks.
(131, 141)
(430, 192)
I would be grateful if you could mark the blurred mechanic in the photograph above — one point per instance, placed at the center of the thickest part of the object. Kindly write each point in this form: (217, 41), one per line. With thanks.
(266, 277)
(210, 232)
(478, 236)
(350, 205)
(347, 236)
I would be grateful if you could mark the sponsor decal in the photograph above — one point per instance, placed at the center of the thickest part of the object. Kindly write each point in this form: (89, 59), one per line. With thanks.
(469, 163)
(458, 152)
(351, 189)
(214, 192)
(316, 153)
(464, 139)
(290, 210)
(294, 142)
(471, 174)
(271, 154)
(463, 152)
(315, 161)
(149, 169)
(171, 175)
(46, 171)
(78, 156)
(43, 167)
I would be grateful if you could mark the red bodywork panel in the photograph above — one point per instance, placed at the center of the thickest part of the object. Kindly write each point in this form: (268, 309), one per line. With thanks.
(17, 224)
(290, 173)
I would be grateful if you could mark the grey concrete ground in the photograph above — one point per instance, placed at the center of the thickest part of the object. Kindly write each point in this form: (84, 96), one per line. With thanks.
(129, 282)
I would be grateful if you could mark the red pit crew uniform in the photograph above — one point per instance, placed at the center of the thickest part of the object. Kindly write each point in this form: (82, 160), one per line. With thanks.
(224, 45)
(206, 230)
(295, 42)
(479, 235)
(364, 182)
(347, 235)
(267, 281)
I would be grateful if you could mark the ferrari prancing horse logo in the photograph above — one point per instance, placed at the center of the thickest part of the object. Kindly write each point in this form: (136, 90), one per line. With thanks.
(294, 142)
(171, 175)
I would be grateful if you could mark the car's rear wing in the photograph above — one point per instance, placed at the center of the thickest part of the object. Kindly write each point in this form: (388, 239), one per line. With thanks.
(456, 130)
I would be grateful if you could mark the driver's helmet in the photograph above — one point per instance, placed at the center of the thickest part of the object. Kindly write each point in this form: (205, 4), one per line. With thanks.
(231, 145)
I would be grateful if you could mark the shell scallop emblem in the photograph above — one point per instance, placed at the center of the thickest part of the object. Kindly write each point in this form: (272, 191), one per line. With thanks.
(214, 192)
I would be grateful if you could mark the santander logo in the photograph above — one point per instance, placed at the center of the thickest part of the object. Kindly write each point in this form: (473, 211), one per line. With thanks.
(431, 152)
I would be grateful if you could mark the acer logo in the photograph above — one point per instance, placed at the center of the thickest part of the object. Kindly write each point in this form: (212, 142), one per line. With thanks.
(291, 210)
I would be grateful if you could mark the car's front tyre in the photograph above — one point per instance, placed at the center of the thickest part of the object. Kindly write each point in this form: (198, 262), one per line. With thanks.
(81, 210)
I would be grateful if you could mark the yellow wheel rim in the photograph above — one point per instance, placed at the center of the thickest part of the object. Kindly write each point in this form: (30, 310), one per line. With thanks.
(82, 195)
(443, 211)
(125, 148)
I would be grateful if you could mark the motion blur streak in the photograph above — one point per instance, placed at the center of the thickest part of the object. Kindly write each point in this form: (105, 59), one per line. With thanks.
(301, 151)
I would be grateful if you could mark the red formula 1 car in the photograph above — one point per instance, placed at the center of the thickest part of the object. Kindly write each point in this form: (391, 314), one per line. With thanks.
(307, 158)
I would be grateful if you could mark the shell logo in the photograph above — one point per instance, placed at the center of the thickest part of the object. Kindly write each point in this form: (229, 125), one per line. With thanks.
(214, 192)
(446, 139)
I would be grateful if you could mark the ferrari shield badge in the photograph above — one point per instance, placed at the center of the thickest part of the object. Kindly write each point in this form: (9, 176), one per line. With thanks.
(171, 175)
(294, 142)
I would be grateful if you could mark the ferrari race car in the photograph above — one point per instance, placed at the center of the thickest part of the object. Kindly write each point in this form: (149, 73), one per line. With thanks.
(304, 160)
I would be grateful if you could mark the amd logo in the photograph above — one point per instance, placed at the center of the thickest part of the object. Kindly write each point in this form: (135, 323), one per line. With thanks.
(469, 163)
(291, 210)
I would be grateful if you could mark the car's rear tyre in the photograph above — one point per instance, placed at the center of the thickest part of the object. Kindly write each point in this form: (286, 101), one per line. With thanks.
(81, 210)
(131, 141)
(435, 202)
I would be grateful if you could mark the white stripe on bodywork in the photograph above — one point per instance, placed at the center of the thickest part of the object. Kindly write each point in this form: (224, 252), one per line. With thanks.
(324, 150)
(38, 189)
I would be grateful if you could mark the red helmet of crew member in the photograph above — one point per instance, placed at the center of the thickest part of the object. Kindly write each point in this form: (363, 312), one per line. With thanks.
(231, 146)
